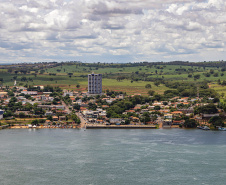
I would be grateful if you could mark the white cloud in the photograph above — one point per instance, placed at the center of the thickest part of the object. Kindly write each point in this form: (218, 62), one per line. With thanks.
(113, 30)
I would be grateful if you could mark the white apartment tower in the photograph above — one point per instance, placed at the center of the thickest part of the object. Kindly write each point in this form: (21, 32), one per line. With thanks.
(94, 83)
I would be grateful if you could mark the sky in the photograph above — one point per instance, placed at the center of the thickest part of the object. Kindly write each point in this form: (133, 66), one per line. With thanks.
(112, 30)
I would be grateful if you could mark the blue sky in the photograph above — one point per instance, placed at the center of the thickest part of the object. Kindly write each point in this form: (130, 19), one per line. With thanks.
(112, 30)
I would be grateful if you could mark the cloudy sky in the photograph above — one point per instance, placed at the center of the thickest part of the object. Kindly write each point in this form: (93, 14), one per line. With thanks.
(112, 30)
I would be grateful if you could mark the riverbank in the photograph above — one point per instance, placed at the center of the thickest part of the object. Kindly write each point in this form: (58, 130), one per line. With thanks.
(4, 127)
(41, 127)
(89, 126)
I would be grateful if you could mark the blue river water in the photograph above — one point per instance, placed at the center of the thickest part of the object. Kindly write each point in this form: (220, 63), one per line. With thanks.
(107, 157)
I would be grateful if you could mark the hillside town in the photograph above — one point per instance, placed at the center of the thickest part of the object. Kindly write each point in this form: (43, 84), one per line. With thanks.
(52, 107)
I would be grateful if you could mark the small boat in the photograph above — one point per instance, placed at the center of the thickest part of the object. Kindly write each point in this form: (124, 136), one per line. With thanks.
(34, 126)
(199, 127)
(205, 128)
(222, 128)
(29, 126)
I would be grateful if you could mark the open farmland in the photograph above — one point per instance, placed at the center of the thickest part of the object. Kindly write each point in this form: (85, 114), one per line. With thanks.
(130, 88)
(219, 88)
(130, 78)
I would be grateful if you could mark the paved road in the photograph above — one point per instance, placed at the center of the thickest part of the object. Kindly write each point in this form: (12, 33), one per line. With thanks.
(83, 121)
(66, 107)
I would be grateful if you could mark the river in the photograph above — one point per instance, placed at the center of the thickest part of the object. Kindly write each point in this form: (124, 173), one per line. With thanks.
(107, 157)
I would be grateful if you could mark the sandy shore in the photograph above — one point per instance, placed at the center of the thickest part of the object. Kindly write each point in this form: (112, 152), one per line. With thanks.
(40, 127)
(15, 127)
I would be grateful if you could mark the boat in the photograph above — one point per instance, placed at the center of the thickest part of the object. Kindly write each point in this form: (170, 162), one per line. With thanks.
(34, 126)
(222, 128)
(29, 126)
(199, 127)
(205, 128)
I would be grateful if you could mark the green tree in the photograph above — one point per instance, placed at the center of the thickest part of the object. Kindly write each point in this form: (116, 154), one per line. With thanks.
(39, 111)
(211, 71)
(207, 74)
(145, 117)
(190, 123)
(215, 74)
(216, 121)
(151, 93)
(34, 122)
(28, 107)
(8, 113)
(92, 106)
(148, 86)
(76, 106)
(157, 83)
(41, 72)
(157, 107)
(10, 93)
(197, 76)
(206, 109)
(127, 121)
(75, 118)
(50, 118)
(21, 115)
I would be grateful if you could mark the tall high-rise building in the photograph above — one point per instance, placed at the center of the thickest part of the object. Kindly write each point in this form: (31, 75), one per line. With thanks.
(94, 83)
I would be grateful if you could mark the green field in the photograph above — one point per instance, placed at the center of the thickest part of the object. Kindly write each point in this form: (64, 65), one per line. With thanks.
(219, 88)
(167, 72)
(168, 69)
(111, 72)
(64, 81)
(130, 88)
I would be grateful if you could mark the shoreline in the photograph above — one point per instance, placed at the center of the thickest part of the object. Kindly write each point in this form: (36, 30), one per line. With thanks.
(40, 127)
(121, 127)
(88, 127)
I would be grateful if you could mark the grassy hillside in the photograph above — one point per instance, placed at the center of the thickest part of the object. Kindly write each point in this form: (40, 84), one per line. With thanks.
(133, 79)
